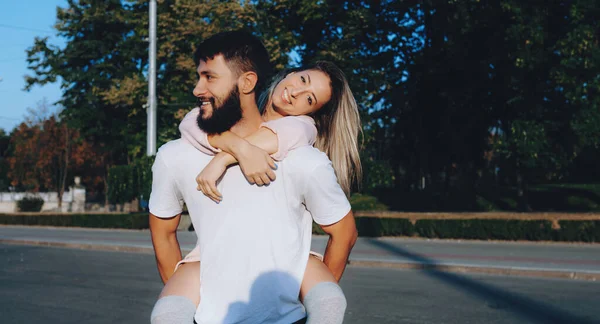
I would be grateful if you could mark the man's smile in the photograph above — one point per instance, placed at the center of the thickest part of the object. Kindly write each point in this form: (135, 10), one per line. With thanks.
(203, 102)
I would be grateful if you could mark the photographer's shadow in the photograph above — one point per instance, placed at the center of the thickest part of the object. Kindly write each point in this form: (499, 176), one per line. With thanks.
(263, 295)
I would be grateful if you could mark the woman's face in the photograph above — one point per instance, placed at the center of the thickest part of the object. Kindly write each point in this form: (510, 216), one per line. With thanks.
(301, 93)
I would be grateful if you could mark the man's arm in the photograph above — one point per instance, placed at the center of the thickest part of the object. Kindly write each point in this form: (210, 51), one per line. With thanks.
(330, 208)
(342, 237)
(166, 246)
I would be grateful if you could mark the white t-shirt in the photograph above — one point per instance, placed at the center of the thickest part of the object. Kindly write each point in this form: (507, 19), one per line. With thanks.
(254, 244)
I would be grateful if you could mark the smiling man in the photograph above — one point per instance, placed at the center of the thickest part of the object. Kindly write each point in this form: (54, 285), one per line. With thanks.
(220, 109)
(254, 246)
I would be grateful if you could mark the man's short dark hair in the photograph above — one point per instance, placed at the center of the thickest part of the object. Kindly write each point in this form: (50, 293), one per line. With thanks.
(242, 51)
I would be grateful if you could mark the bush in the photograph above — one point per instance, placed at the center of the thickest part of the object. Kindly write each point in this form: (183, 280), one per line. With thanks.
(373, 227)
(479, 229)
(143, 176)
(485, 229)
(316, 229)
(120, 184)
(30, 204)
(127, 182)
(580, 231)
(366, 202)
(127, 221)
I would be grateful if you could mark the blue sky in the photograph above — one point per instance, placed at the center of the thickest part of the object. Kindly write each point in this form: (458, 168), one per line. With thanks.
(20, 23)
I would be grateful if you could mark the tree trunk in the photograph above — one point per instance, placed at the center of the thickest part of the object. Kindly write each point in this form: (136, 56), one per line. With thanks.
(522, 203)
(473, 186)
(64, 169)
(105, 180)
(447, 172)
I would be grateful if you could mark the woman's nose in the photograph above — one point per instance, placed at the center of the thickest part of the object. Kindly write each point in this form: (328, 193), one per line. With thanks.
(296, 91)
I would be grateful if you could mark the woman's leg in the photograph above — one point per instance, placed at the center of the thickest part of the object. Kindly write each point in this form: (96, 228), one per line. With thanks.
(180, 297)
(322, 297)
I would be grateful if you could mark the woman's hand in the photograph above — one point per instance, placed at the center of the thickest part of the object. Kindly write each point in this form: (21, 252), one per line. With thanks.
(256, 164)
(207, 179)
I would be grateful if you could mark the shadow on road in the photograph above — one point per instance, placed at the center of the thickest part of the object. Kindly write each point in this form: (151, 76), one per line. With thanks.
(532, 310)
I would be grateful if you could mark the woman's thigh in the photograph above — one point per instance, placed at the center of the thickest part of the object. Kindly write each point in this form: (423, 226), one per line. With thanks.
(184, 282)
(316, 272)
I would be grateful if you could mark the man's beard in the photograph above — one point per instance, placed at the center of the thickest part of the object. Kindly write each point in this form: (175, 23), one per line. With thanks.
(223, 117)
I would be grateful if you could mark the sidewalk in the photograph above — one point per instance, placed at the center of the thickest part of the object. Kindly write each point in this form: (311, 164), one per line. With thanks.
(559, 260)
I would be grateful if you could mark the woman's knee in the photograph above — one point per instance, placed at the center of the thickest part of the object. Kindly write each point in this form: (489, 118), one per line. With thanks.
(316, 272)
(325, 303)
(184, 282)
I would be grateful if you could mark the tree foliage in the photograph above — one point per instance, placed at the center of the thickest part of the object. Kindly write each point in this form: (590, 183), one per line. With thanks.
(47, 155)
(435, 80)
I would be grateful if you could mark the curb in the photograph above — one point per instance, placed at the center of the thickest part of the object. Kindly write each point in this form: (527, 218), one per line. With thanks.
(521, 272)
(81, 246)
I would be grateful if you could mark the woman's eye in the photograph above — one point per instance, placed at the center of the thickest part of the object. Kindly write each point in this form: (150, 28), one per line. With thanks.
(303, 79)
(310, 100)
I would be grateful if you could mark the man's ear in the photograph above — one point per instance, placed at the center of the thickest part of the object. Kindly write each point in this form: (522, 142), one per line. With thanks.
(247, 82)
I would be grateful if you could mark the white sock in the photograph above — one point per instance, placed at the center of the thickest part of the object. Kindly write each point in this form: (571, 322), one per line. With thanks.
(325, 303)
(173, 310)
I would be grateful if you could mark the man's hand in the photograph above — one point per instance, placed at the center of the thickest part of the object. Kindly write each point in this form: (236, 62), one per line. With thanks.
(256, 164)
(207, 179)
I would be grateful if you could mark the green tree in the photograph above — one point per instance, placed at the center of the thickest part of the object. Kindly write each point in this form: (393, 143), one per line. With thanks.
(554, 60)
(86, 66)
(4, 152)
(432, 78)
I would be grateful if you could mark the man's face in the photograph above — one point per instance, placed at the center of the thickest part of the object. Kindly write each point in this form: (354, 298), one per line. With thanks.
(217, 96)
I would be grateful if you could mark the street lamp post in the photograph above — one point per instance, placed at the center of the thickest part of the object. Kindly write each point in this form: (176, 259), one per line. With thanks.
(151, 109)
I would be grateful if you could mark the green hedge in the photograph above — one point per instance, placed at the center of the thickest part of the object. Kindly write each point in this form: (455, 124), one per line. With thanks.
(480, 229)
(128, 221)
(488, 229)
(579, 231)
(373, 227)
(127, 182)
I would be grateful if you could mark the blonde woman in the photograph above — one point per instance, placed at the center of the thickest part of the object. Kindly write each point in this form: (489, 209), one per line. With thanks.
(309, 106)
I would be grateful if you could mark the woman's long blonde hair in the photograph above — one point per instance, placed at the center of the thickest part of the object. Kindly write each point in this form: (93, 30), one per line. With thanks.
(338, 123)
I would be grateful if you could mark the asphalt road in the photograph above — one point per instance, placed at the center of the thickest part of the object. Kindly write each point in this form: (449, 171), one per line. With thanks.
(55, 285)
(557, 260)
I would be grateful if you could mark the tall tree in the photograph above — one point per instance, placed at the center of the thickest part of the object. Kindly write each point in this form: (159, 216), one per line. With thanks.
(554, 61)
(86, 67)
(432, 78)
